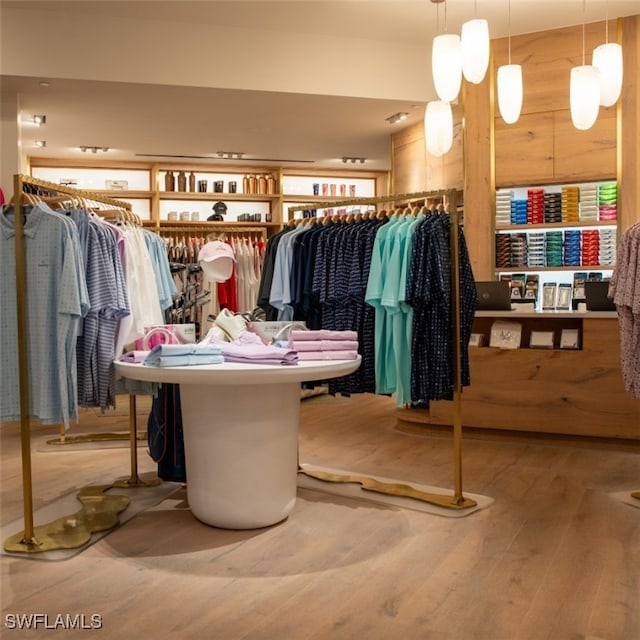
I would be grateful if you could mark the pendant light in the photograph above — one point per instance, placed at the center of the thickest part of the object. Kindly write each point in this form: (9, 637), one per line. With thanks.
(608, 59)
(584, 91)
(446, 64)
(510, 85)
(474, 45)
(438, 127)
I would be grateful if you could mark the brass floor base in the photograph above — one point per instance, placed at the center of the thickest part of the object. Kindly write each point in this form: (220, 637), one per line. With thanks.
(134, 481)
(393, 489)
(94, 437)
(99, 512)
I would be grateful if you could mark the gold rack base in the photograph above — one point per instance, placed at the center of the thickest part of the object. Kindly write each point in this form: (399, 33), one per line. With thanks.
(393, 489)
(134, 481)
(94, 437)
(99, 512)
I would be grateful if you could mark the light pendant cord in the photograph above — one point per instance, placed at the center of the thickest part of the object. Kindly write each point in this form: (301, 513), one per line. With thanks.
(584, 2)
(509, 29)
(606, 23)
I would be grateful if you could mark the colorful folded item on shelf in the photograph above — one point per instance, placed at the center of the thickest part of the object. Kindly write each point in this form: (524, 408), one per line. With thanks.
(323, 334)
(182, 355)
(324, 345)
(328, 355)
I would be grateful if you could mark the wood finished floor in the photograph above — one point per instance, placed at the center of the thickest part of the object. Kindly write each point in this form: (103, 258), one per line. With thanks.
(555, 556)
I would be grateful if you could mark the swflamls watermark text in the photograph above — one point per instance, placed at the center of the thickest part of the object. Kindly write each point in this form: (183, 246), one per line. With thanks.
(53, 621)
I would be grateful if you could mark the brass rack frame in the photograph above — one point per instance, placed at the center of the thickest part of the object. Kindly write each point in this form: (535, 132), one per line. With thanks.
(28, 541)
(457, 501)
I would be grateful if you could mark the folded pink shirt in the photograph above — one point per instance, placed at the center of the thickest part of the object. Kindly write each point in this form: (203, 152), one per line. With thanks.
(323, 334)
(324, 345)
(327, 355)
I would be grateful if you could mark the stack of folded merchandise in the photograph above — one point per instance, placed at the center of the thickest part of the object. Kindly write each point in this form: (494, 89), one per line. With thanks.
(607, 246)
(588, 203)
(325, 344)
(257, 353)
(518, 256)
(519, 211)
(503, 250)
(183, 355)
(535, 206)
(590, 253)
(553, 249)
(552, 207)
(608, 202)
(536, 250)
(503, 206)
(570, 204)
(572, 248)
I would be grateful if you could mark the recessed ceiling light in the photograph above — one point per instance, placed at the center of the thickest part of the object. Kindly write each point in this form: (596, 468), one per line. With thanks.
(397, 117)
(40, 143)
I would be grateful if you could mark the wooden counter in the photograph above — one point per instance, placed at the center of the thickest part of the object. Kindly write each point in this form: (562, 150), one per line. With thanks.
(556, 391)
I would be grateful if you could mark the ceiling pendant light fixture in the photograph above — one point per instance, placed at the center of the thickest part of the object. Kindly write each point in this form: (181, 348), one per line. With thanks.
(446, 63)
(584, 90)
(438, 127)
(608, 59)
(509, 82)
(474, 46)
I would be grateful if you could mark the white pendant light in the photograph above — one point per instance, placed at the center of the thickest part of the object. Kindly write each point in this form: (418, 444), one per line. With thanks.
(608, 59)
(474, 43)
(438, 127)
(584, 96)
(446, 64)
(584, 90)
(510, 91)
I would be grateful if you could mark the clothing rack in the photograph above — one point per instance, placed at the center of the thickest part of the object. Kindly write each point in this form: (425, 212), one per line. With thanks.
(457, 501)
(29, 542)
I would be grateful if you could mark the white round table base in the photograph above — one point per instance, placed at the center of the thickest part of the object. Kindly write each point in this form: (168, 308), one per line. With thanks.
(241, 452)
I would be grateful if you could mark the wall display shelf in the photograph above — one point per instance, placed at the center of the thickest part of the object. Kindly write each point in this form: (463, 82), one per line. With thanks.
(175, 194)
(559, 390)
(555, 235)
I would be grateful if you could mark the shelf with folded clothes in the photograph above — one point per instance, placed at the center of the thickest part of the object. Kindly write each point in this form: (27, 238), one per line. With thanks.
(554, 225)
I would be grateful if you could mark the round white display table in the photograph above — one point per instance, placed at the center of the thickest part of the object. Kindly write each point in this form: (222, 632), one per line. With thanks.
(240, 424)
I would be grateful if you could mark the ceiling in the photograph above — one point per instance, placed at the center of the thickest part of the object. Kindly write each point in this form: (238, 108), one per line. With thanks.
(147, 121)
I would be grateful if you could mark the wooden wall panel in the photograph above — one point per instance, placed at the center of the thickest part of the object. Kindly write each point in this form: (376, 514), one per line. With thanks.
(629, 134)
(524, 150)
(409, 160)
(415, 170)
(546, 58)
(585, 155)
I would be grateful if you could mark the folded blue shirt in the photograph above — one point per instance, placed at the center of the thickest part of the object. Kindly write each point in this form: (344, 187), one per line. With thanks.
(180, 355)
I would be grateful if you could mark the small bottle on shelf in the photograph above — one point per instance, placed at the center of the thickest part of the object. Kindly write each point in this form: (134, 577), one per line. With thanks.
(245, 184)
(169, 181)
(262, 185)
(252, 184)
(182, 181)
(192, 181)
(271, 184)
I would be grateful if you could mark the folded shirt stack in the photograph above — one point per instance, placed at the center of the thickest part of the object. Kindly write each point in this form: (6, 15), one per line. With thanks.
(248, 348)
(181, 355)
(324, 344)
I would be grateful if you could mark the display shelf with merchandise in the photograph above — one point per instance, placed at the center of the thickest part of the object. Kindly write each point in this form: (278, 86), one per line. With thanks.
(176, 193)
(556, 234)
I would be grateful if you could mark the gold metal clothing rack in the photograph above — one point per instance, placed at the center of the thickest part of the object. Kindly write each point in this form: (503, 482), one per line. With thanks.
(28, 542)
(457, 501)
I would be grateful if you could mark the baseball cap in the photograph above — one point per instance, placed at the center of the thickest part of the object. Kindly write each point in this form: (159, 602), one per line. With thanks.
(216, 259)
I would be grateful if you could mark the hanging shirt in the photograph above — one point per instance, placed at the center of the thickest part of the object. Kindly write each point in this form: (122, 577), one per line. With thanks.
(57, 298)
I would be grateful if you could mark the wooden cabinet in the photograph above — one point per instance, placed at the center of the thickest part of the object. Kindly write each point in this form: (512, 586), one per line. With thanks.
(255, 196)
(554, 391)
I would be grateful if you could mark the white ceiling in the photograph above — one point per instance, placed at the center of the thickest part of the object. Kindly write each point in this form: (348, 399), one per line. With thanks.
(144, 121)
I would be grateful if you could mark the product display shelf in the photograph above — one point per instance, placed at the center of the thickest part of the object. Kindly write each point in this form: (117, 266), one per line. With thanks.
(554, 225)
(213, 196)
